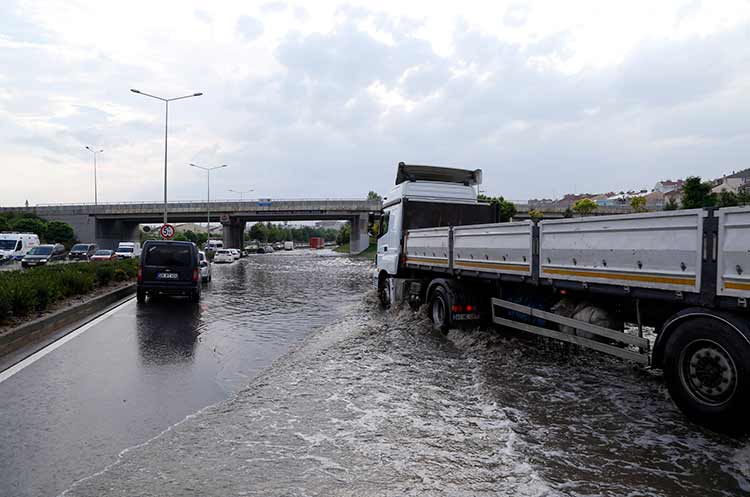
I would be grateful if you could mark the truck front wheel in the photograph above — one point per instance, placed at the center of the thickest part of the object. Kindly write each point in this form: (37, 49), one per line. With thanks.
(384, 294)
(707, 370)
(440, 310)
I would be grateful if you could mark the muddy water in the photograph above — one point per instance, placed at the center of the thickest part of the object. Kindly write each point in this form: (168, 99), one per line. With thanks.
(378, 404)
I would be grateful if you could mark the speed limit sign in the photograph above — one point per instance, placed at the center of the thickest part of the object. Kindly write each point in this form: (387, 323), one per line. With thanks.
(167, 231)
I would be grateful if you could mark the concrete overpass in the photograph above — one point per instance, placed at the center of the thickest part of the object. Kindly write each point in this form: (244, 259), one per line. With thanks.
(109, 223)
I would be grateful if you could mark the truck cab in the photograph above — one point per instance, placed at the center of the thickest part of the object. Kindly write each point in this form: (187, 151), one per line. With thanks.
(426, 196)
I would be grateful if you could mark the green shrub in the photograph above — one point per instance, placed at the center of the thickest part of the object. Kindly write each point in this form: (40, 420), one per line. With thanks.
(120, 274)
(104, 273)
(23, 299)
(6, 304)
(77, 282)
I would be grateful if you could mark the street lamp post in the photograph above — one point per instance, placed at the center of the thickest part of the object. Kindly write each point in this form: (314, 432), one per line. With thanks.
(93, 151)
(241, 193)
(208, 196)
(166, 127)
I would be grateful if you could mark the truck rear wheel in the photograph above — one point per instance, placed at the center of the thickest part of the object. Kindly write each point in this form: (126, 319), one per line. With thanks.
(707, 370)
(440, 310)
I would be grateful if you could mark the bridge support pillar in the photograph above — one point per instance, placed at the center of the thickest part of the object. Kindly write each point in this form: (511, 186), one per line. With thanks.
(234, 231)
(110, 232)
(359, 238)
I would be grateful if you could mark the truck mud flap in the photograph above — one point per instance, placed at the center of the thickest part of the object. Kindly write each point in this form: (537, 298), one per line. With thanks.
(500, 306)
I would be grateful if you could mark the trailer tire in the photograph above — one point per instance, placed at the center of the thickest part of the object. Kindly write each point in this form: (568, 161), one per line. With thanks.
(707, 371)
(440, 309)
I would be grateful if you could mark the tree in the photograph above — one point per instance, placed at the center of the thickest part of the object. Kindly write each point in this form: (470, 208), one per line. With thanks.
(727, 199)
(4, 224)
(585, 206)
(505, 209)
(259, 232)
(697, 194)
(180, 237)
(638, 204)
(342, 237)
(371, 195)
(536, 215)
(671, 205)
(60, 232)
(30, 225)
(568, 213)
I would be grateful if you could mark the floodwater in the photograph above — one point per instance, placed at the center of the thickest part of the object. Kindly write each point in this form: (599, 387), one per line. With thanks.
(146, 367)
(377, 404)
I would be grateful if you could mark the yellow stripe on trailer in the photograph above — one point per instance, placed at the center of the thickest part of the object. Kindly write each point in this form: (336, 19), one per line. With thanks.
(643, 278)
(493, 265)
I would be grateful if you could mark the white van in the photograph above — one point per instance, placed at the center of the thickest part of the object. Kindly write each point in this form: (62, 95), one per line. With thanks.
(214, 245)
(128, 250)
(288, 245)
(15, 245)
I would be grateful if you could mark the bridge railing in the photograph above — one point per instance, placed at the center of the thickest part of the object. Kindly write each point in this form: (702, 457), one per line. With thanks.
(194, 201)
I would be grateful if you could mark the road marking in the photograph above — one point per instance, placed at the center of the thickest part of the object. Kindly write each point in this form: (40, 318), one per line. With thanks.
(60, 342)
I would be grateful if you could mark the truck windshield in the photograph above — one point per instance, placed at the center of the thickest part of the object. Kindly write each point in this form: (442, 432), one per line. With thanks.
(168, 255)
(7, 244)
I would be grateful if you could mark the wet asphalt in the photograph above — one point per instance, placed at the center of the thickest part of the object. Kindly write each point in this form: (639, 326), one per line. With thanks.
(146, 367)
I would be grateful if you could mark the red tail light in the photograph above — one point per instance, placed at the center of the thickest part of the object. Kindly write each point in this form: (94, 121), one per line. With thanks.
(196, 274)
(140, 275)
(469, 308)
(456, 308)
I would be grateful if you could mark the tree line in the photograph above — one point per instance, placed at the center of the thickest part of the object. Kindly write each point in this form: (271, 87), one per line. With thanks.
(48, 231)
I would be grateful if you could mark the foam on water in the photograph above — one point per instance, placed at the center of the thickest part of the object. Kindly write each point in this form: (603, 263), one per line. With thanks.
(379, 404)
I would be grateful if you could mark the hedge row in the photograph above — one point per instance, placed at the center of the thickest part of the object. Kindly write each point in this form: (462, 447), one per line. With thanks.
(27, 291)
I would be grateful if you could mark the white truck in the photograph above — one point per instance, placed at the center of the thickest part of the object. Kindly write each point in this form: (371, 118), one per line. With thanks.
(685, 273)
(128, 250)
(13, 246)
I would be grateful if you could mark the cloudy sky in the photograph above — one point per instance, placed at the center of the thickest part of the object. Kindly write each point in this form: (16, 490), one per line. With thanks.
(323, 99)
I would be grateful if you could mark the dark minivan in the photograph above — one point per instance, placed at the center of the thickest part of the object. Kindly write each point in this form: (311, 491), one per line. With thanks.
(82, 251)
(169, 268)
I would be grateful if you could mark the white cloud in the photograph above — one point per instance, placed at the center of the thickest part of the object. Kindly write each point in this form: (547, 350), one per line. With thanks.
(547, 96)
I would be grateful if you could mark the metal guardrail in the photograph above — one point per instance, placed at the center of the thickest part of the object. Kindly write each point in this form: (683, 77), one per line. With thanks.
(202, 202)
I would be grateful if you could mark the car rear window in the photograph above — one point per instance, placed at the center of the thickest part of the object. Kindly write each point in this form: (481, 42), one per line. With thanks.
(222, 251)
(168, 255)
(79, 248)
(103, 252)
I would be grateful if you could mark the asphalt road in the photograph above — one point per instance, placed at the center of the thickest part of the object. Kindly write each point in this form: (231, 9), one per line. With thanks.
(143, 368)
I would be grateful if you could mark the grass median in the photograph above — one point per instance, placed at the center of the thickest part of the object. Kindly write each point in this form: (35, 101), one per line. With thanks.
(34, 290)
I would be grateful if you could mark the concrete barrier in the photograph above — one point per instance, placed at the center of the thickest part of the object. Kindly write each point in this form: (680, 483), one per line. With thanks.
(28, 338)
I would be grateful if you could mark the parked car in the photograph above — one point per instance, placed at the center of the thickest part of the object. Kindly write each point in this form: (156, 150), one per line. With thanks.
(205, 267)
(15, 245)
(42, 254)
(235, 253)
(103, 255)
(278, 246)
(288, 245)
(128, 250)
(223, 255)
(169, 268)
(82, 251)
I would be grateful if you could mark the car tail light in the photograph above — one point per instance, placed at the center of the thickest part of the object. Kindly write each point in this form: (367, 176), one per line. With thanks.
(456, 308)
(469, 308)
(140, 275)
(196, 274)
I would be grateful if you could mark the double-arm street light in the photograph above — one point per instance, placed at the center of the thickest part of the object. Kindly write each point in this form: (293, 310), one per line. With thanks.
(94, 151)
(166, 127)
(208, 194)
(241, 193)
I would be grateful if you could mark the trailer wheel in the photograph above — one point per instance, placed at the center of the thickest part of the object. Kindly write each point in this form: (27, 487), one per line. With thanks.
(707, 370)
(440, 310)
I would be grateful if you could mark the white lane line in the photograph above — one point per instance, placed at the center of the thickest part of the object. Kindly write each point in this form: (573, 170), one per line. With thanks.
(59, 343)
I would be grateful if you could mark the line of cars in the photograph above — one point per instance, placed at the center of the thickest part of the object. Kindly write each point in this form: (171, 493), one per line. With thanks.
(229, 255)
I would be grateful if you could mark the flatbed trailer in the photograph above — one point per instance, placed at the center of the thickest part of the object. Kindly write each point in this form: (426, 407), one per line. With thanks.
(685, 273)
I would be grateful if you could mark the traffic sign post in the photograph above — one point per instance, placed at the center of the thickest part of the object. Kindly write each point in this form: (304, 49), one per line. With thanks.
(167, 231)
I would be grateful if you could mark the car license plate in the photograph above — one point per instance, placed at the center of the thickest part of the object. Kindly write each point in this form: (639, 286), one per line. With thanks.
(168, 276)
(31, 263)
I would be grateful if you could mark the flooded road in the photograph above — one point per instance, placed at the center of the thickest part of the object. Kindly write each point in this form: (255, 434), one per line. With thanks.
(145, 368)
(379, 405)
(307, 388)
